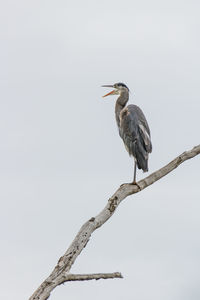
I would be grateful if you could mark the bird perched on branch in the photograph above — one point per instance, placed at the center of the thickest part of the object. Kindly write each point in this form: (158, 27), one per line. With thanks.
(133, 128)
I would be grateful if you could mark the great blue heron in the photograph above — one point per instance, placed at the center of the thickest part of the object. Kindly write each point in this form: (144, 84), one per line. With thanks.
(133, 128)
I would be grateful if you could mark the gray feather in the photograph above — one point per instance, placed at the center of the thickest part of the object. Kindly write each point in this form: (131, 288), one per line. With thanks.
(135, 132)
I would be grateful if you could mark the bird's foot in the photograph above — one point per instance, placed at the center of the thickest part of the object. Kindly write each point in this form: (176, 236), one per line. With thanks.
(126, 183)
(131, 183)
(135, 183)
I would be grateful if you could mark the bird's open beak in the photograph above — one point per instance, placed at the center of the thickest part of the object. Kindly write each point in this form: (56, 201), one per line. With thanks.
(110, 93)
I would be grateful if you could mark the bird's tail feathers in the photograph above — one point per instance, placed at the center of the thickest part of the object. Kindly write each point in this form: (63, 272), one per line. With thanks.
(141, 157)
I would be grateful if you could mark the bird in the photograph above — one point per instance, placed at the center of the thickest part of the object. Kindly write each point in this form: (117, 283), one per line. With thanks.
(133, 128)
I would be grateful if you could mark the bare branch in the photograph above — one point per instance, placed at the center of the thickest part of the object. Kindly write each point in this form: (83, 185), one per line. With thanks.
(96, 276)
(66, 261)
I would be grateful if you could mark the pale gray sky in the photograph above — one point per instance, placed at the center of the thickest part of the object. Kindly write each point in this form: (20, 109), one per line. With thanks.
(61, 156)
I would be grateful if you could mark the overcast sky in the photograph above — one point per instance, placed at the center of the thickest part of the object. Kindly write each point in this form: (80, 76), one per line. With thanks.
(61, 156)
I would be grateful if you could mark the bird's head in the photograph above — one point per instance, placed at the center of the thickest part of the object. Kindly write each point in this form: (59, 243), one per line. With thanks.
(119, 88)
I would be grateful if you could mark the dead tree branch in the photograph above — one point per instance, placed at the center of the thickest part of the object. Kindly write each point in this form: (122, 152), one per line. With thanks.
(80, 277)
(61, 271)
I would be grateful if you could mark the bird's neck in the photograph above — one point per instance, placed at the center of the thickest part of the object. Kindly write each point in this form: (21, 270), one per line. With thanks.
(120, 104)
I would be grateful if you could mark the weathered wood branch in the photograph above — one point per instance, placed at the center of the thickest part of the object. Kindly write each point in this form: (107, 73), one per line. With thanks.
(80, 277)
(66, 261)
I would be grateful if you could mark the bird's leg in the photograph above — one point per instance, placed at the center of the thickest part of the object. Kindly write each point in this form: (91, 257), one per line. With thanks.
(134, 176)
